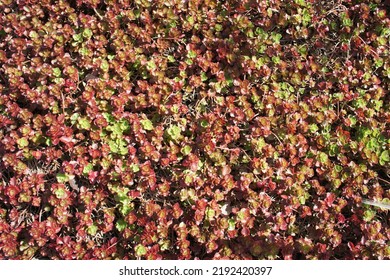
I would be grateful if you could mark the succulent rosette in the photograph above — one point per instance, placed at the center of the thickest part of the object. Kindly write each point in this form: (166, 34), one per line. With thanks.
(194, 129)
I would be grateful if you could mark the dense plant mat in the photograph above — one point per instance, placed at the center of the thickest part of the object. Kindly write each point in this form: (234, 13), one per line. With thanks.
(194, 129)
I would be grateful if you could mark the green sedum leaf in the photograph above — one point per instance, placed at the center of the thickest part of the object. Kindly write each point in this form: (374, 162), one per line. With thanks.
(62, 178)
(210, 213)
(140, 250)
(186, 150)
(323, 158)
(384, 157)
(92, 230)
(60, 193)
(87, 168)
(78, 37)
(84, 123)
(87, 33)
(174, 132)
(121, 225)
(147, 124)
(57, 72)
(22, 142)
(232, 224)
(118, 146)
(134, 168)
(369, 215)
(105, 66)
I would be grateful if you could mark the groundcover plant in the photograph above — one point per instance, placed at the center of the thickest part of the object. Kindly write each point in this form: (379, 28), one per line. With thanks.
(202, 129)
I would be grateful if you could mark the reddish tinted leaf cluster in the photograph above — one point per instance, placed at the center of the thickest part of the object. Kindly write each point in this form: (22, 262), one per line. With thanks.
(194, 129)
